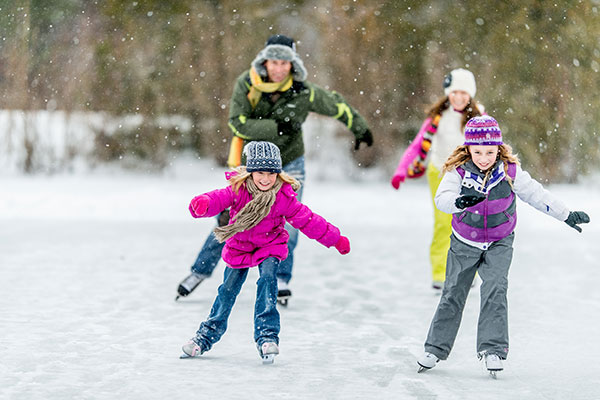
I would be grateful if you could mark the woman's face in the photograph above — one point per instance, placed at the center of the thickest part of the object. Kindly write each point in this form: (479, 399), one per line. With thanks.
(484, 156)
(278, 70)
(264, 180)
(459, 99)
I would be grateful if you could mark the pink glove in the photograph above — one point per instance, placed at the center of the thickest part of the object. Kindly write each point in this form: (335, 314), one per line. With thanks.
(198, 206)
(343, 245)
(397, 179)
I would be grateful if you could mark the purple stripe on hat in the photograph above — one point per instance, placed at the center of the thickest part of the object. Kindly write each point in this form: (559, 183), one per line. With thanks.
(482, 130)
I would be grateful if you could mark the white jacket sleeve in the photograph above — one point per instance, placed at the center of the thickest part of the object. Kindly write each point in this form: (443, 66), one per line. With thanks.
(448, 192)
(533, 193)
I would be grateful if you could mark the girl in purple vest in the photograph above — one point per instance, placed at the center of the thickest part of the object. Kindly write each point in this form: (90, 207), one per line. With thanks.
(478, 189)
(262, 198)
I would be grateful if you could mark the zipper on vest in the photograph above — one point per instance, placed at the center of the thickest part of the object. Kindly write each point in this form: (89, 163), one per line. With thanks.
(485, 215)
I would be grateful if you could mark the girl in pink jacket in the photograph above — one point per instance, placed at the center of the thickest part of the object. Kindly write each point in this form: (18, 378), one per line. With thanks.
(262, 199)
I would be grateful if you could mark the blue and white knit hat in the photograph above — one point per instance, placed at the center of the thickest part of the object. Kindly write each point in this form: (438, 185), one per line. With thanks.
(262, 156)
(482, 130)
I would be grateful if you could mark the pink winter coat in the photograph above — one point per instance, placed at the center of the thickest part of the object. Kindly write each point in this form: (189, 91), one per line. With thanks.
(269, 237)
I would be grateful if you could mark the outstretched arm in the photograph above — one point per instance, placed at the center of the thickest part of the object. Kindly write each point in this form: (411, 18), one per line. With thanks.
(533, 193)
(316, 227)
(333, 104)
(410, 154)
(211, 203)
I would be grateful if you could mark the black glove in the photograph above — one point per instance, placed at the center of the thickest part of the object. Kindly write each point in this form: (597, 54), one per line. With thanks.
(468, 201)
(366, 137)
(575, 218)
(285, 128)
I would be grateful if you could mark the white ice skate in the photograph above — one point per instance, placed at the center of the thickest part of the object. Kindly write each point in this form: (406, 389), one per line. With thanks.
(191, 349)
(493, 363)
(427, 361)
(268, 351)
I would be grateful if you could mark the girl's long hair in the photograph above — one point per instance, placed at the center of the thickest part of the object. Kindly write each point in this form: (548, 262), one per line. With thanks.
(238, 180)
(461, 155)
(470, 111)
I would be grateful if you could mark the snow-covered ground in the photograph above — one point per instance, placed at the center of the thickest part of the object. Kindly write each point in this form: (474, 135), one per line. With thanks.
(89, 265)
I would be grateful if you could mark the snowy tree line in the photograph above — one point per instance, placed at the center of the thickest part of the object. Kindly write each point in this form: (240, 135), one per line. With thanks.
(537, 66)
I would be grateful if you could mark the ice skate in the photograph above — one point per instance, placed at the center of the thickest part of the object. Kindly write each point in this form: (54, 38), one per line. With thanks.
(427, 361)
(493, 363)
(283, 293)
(188, 285)
(191, 349)
(268, 351)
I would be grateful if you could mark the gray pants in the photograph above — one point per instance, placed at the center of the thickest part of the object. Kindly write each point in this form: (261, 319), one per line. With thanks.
(463, 262)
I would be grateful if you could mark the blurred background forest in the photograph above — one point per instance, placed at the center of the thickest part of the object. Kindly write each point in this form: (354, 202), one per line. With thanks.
(165, 71)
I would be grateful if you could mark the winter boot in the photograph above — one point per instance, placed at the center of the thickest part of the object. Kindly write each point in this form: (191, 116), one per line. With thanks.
(268, 351)
(190, 283)
(427, 361)
(192, 349)
(283, 292)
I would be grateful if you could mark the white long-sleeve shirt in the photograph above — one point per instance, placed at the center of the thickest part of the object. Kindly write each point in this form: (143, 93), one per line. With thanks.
(525, 187)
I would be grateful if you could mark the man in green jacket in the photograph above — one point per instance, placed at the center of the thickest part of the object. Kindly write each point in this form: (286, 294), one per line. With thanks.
(270, 102)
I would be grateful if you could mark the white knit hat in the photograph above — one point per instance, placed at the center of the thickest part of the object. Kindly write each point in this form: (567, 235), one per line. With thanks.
(460, 79)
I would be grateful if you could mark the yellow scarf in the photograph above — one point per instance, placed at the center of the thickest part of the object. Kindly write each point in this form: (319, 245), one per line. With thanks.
(258, 86)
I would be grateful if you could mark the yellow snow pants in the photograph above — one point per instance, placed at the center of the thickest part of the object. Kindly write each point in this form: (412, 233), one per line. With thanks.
(442, 229)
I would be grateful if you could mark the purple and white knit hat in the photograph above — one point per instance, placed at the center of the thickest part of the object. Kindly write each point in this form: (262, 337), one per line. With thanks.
(482, 131)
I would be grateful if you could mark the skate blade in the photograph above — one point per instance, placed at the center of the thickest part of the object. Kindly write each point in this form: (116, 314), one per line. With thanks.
(283, 301)
(184, 356)
(268, 358)
(493, 374)
(177, 297)
(422, 368)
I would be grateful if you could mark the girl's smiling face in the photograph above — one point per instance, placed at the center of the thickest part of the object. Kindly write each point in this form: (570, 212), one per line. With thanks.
(264, 180)
(484, 157)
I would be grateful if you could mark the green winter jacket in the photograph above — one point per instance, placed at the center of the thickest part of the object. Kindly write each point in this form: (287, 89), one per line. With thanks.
(292, 108)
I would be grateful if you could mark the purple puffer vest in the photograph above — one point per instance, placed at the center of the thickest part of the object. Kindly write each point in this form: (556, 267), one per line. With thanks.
(494, 218)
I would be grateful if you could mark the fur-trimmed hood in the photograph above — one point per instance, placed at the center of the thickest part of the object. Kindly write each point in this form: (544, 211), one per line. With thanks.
(280, 52)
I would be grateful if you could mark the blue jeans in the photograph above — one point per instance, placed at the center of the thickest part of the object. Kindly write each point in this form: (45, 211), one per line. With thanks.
(266, 316)
(209, 256)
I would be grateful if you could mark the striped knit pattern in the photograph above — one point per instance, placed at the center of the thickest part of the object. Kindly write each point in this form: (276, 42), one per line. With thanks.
(482, 131)
(418, 167)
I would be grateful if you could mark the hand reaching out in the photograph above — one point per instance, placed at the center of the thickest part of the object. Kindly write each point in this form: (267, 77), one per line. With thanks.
(198, 206)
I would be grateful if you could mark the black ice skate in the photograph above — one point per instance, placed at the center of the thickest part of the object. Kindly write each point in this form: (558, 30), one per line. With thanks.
(188, 285)
(283, 293)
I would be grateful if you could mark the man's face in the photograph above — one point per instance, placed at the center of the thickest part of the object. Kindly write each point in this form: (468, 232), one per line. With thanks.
(278, 70)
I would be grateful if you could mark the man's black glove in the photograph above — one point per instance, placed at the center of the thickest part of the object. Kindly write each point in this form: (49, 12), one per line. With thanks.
(575, 218)
(366, 137)
(468, 201)
(285, 128)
